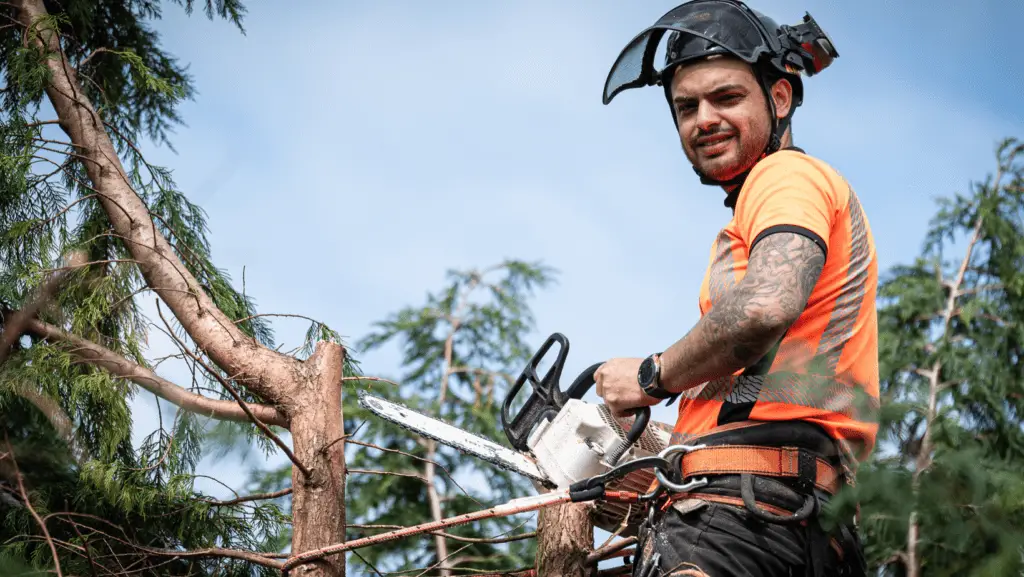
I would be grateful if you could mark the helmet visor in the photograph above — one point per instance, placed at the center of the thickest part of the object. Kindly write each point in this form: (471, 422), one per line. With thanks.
(704, 27)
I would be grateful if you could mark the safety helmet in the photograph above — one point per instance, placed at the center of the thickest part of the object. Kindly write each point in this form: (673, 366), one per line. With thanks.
(702, 28)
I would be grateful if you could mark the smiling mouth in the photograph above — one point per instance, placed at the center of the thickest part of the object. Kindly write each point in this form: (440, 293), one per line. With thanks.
(713, 141)
(714, 147)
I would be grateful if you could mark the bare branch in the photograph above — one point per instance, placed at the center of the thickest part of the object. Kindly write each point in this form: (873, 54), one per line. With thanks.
(42, 122)
(263, 559)
(31, 509)
(91, 54)
(373, 379)
(410, 455)
(238, 398)
(391, 473)
(506, 539)
(257, 497)
(609, 549)
(514, 507)
(250, 317)
(100, 356)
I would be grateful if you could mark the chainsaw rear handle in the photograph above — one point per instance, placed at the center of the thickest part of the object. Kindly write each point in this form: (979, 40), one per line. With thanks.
(584, 382)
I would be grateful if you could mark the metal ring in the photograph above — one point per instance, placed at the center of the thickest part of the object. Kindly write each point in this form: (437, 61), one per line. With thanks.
(672, 449)
(679, 487)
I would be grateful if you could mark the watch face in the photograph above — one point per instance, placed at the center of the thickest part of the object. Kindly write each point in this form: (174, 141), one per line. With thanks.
(646, 373)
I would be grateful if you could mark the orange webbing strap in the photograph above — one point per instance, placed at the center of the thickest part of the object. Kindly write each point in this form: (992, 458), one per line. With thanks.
(756, 460)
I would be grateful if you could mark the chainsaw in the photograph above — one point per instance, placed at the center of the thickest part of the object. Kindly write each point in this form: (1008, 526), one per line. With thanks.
(557, 439)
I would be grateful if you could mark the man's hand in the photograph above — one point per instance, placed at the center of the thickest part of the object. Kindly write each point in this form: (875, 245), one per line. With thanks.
(617, 385)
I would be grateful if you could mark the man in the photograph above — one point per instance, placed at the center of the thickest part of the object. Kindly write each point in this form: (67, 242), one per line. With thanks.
(780, 375)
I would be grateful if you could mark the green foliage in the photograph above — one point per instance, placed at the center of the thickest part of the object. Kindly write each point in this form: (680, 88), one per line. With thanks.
(70, 424)
(951, 442)
(484, 322)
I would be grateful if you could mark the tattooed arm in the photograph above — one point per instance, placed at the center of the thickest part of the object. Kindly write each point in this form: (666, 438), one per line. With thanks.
(749, 319)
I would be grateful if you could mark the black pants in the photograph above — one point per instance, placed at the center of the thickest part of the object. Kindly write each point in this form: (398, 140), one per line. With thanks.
(704, 538)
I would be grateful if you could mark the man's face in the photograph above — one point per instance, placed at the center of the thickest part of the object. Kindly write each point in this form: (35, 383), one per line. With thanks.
(722, 115)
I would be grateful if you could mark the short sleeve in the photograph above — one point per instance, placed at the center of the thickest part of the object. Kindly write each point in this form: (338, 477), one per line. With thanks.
(786, 192)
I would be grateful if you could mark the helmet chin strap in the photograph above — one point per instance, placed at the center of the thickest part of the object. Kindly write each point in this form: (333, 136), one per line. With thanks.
(774, 144)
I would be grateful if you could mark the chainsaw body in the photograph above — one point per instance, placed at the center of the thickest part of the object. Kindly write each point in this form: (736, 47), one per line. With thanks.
(571, 440)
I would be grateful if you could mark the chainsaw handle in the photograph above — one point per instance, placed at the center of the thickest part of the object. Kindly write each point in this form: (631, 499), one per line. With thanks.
(546, 398)
(585, 381)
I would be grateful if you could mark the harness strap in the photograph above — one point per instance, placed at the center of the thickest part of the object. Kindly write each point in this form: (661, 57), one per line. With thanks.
(791, 462)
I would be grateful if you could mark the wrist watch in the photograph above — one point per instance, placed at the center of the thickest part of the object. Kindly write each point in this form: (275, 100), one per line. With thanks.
(649, 378)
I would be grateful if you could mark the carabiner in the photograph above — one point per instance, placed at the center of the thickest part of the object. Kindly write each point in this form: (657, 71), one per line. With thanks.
(679, 487)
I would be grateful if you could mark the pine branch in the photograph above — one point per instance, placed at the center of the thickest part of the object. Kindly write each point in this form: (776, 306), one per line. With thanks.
(219, 338)
(17, 323)
(100, 356)
(59, 420)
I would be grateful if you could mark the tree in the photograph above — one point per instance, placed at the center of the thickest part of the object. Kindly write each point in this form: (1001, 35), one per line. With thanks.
(942, 496)
(461, 350)
(101, 70)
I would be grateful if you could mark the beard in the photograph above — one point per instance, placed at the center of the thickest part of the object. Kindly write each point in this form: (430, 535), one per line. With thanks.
(727, 153)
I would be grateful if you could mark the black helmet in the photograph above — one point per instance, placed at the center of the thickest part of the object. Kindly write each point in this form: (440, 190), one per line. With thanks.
(702, 28)
(729, 28)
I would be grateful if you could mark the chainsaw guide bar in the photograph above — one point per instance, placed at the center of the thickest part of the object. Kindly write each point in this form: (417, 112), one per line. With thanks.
(447, 434)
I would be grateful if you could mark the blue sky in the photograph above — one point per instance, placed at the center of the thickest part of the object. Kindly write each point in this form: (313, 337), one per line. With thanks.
(348, 153)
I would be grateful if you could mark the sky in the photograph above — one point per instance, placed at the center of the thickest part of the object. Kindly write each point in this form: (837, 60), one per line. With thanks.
(348, 154)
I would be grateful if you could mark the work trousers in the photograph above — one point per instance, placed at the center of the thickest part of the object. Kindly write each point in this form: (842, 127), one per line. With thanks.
(698, 537)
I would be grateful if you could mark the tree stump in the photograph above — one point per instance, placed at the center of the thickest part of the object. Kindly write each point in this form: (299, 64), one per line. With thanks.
(565, 536)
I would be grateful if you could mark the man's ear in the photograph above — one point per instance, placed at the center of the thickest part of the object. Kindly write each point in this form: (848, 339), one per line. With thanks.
(782, 94)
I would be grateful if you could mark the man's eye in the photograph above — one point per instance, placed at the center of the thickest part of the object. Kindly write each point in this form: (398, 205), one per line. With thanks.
(729, 98)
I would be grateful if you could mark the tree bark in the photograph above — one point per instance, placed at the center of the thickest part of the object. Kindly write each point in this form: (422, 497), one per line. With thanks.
(318, 501)
(565, 536)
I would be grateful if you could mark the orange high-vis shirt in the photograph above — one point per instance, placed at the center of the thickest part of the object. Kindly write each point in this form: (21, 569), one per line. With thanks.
(825, 370)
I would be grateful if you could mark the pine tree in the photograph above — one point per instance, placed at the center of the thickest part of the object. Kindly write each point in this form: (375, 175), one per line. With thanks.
(461, 350)
(84, 80)
(943, 494)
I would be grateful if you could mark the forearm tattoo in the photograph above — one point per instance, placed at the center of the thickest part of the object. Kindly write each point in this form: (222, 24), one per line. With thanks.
(781, 273)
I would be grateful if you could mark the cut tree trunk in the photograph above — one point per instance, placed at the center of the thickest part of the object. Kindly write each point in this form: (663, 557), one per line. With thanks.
(565, 536)
(318, 501)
